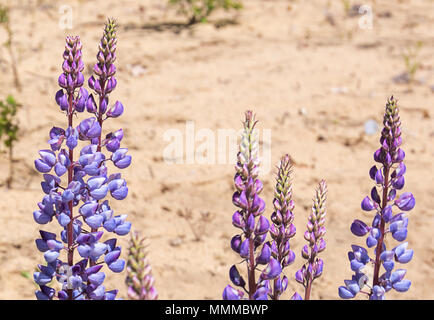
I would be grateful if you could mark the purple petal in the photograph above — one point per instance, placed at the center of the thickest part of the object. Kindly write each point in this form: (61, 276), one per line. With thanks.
(406, 201)
(399, 183)
(123, 228)
(95, 221)
(41, 217)
(235, 277)
(120, 193)
(117, 266)
(42, 166)
(296, 296)
(244, 249)
(272, 270)
(96, 278)
(124, 162)
(359, 228)
(51, 256)
(397, 275)
(237, 220)
(344, 293)
(88, 209)
(229, 293)
(262, 226)
(402, 286)
(63, 219)
(116, 110)
(100, 193)
(367, 204)
(265, 255)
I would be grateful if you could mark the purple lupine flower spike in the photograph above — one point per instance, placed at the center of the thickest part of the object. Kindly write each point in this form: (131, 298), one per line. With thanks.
(283, 228)
(313, 267)
(388, 177)
(103, 83)
(249, 219)
(86, 186)
(139, 279)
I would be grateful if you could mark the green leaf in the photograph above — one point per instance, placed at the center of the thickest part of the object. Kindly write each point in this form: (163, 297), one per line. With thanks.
(25, 274)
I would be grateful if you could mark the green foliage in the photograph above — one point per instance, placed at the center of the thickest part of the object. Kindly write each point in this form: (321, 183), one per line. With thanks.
(411, 61)
(8, 122)
(4, 15)
(347, 5)
(199, 10)
(8, 130)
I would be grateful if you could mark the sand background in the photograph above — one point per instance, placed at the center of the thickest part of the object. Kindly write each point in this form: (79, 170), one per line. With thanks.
(307, 69)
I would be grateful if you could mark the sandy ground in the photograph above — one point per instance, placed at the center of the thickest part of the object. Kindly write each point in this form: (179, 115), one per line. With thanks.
(311, 74)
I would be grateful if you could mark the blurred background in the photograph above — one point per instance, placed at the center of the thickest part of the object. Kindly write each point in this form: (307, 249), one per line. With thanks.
(317, 74)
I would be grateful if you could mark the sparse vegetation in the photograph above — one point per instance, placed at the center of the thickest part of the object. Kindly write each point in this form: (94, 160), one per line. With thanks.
(200, 10)
(8, 130)
(5, 22)
(411, 60)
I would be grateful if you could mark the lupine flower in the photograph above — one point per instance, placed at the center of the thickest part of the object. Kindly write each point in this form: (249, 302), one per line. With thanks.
(139, 279)
(313, 267)
(248, 218)
(282, 229)
(103, 82)
(86, 186)
(388, 178)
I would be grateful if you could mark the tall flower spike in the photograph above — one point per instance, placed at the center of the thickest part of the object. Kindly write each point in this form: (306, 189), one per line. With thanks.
(388, 178)
(282, 229)
(139, 279)
(313, 267)
(86, 186)
(254, 227)
(103, 83)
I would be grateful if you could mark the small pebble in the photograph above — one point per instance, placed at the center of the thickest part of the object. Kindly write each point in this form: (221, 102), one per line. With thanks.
(371, 127)
(175, 242)
(339, 90)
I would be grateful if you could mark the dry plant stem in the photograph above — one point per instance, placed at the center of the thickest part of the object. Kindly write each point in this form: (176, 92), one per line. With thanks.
(11, 169)
(13, 61)
(382, 225)
(14, 69)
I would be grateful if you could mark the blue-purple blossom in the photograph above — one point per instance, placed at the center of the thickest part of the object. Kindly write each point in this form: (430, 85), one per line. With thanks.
(388, 176)
(85, 184)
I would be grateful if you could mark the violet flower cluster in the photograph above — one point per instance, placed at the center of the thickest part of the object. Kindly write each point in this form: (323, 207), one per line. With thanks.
(82, 182)
(282, 229)
(314, 235)
(249, 244)
(139, 279)
(276, 254)
(388, 176)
